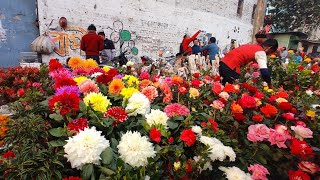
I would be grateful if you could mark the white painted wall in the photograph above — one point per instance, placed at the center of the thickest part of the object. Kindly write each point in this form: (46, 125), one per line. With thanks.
(3, 34)
(154, 24)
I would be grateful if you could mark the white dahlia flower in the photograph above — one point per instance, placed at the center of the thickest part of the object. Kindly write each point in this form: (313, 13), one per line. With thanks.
(135, 149)
(138, 104)
(234, 173)
(197, 129)
(85, 147)
(157, 117)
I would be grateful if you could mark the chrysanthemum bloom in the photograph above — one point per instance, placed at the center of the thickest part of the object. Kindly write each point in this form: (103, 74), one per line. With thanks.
(67, 89)
(135, 149)
(144, 83)
(64, 82)
(216, 104)
(269, 110)
(106, 68)
(259, 172)
(80, 79)
(234, 173)
(54, 65)
(151, 92)
(138, 104)
(85, 147)
(131, 80)
(116, 86)
(157, 117)
(60, 73)
(89, 64)
(75, 63)
(127, 92)
(98, 101)
(194, 93)
(117, 113)
(77, 125)
(176, 109)
(88, 86)
(236, 108)
(65, 102)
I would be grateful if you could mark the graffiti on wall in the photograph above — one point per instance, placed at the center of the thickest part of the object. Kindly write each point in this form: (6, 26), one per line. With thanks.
(68, 41)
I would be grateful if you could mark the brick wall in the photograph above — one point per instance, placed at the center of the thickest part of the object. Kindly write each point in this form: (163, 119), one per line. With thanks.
(153, 24)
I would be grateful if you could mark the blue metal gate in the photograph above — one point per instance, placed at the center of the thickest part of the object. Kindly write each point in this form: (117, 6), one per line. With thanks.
(17, 29)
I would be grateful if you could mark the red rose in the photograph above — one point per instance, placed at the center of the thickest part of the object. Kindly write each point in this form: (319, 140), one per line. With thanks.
(301, 148)
(269, 110)
(229, 88)
(239, 117)
(155, 135)
(171, 140)
(196, 83)
(247, 101)
(250, 88)
(285, 106)
(308, 167)
(182, 90)
(21, 92)
(298, 175)
(189, 167)
(72, 178)
(257, 118)
(282, 94)
(214, 125)
(315, 68)
(188, 137)
(8, 155)
(272, 99)
(300, 68)
(144, 75)
(288, 116)
(196, 75)
(204, 124)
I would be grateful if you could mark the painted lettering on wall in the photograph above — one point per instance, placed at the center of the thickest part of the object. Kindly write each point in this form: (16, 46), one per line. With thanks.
(68, 41)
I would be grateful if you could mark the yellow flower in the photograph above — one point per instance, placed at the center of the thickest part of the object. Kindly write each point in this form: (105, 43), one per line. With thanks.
(98, 101)
(273, 56)
(258, 102)
(311, 114)
(307, 60)
(80, 79)
(127, 92)
(106, 68)
(290, 51)
(131, 80)
(89, 64)
(270, 91)
(280, 100)
(266, 88)
(194, 93)
(176, 165)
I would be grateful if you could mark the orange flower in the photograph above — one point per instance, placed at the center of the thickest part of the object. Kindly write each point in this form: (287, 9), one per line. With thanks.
(89, 64)
(144, 83)
(177, 80)
(236, 108)
(116, 86)
(156, 84)
(269, 111)
(75, 63)
(3, 122)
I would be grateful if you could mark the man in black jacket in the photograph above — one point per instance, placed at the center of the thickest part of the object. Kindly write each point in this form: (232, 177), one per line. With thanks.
(109, 52)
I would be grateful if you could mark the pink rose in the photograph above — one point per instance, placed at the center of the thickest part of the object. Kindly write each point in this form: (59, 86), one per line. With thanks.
(288, 116)
(281, 129)
(258, 132)
(302, 132)
(217, 105)
(277, 138)
(256, 74)
(259, 172)
(308, 167)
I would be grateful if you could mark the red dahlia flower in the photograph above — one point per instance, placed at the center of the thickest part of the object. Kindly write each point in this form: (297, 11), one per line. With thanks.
(155, 135)
(77, 125)
(117, 113)
(188, 137)
(64, 102)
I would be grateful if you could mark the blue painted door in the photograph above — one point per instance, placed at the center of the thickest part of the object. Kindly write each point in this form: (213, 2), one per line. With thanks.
(17, 29)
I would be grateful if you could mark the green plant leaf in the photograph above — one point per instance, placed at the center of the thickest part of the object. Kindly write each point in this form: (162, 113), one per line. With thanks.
(114, 143)
(106, 171)
(58, 132)
(172, 124)
(83, 107)
(57, 143)
(87, 171)
(107, 156)
(57, 117)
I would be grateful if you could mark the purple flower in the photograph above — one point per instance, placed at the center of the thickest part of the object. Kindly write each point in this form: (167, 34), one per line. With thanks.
(67, 89)
(119, 76)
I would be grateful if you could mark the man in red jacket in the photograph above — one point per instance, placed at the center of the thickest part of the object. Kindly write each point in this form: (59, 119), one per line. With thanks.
(230, 65)
(92, 43)
(185, 49)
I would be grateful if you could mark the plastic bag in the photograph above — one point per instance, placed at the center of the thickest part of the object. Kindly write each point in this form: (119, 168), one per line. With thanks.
(43, 44)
